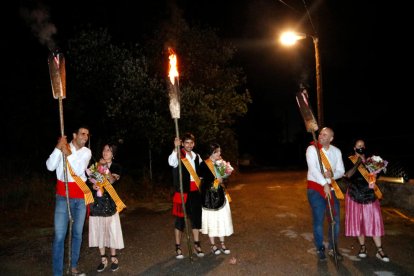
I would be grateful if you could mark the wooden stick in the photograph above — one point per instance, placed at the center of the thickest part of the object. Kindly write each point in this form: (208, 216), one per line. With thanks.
(180, 178)
(312, 126)
(65, 175)
(328, 199)
(57, 74)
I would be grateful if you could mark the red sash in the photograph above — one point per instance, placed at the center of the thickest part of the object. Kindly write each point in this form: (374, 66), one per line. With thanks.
(319, 188)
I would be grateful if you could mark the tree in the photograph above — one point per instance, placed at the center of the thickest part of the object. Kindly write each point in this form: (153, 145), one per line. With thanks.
(122, 88)
(212, 96)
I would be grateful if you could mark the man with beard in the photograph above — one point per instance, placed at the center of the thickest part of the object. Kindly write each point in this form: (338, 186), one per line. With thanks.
(78, 157)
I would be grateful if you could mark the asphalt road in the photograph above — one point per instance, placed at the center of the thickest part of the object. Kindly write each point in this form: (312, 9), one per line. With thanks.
(273, 236)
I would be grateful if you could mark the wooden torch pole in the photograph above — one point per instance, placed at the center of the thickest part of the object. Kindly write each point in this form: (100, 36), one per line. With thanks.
(174, 94)
(57, 74)
(312, 127)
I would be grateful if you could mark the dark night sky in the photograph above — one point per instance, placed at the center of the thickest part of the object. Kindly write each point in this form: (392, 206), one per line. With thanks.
(365, 85)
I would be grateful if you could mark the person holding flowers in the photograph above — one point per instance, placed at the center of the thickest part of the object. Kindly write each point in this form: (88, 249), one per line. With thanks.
(362, 207)
(216, 214)
(104, 222)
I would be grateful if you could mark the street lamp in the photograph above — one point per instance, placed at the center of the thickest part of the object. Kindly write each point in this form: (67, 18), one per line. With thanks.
(290, 38)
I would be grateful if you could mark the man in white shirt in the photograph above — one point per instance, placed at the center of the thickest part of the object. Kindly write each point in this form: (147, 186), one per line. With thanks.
(78, 157)
(192, 198)
(320, 189)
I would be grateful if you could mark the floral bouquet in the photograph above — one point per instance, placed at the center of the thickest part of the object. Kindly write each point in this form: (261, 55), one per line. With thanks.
(224, 168)
(375, 165)
(97, 174)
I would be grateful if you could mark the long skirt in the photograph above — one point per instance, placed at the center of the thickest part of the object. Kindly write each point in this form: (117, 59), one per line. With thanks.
(105, 232)
(217, 223)
(363, 219)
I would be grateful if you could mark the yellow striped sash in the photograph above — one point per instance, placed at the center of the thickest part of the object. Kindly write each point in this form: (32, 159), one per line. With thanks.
(191, 170)
(335, 186)
(108, 186)
(82, 185)
(210, 165)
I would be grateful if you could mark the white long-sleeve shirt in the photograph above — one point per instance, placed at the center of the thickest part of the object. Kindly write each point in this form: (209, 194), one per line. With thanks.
(334, 156)
(173, 160)
(78, 160)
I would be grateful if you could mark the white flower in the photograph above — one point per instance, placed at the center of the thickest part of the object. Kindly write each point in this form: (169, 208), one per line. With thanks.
(376, 164)
(376, 158)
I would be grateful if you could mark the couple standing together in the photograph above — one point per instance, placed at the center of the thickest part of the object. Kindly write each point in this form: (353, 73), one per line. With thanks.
(362, 207)
(205, 200)
(104, 222)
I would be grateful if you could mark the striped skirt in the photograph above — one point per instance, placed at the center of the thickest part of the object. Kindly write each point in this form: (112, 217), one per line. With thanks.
(363, 219)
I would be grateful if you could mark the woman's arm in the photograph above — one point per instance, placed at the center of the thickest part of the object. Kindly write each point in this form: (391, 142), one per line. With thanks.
(114, 172)
(352, 171)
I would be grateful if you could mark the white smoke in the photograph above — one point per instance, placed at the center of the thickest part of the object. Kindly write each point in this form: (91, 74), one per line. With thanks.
(39, 22)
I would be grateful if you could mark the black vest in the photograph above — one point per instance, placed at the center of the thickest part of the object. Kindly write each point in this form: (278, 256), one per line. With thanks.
(185, 175)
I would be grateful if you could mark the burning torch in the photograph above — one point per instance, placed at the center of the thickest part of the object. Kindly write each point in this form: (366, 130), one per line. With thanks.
(174, 95)
(57, 74)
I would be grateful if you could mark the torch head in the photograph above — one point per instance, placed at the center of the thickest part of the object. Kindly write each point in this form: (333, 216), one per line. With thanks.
(57, 72)
(306, 111)
(173, 87)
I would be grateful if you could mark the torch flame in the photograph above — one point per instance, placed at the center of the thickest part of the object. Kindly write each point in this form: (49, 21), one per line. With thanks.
(173, 89)
(173, 71)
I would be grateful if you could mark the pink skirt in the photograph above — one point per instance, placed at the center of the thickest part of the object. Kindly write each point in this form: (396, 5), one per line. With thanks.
(363, 219)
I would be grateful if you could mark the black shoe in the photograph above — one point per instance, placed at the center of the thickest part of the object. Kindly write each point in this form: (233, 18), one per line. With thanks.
(321, 254)
(215, 250)
(224, 249)
(197, 249)
(363, 253)
(114, 264)
(178, 252)
(381, 255)
(104, 263)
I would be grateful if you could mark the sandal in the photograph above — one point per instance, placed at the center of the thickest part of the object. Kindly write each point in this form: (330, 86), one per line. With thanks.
(197, 249)
(363, 253)
(215, 250)
(114, 265)
(224, 249)
(178, 252)
(104, 263)
(381, 255)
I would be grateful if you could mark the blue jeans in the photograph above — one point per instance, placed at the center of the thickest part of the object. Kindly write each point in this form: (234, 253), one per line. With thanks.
(78, 211)
(319, 210)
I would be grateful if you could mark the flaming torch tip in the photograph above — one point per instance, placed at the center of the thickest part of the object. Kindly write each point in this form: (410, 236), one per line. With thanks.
(174, 92)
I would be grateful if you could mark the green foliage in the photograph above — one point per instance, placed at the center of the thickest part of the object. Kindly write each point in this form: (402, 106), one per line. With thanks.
(212, 96)
(120, 91)
(123, 88)
(136, 102)
(26, 188)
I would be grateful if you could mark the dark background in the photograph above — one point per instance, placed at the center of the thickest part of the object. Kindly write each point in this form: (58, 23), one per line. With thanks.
(366, 86)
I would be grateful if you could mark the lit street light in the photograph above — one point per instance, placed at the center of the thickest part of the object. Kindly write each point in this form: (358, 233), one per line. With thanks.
(290, 38)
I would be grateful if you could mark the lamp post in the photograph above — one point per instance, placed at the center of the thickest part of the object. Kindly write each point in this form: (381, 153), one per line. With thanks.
(290, 38)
